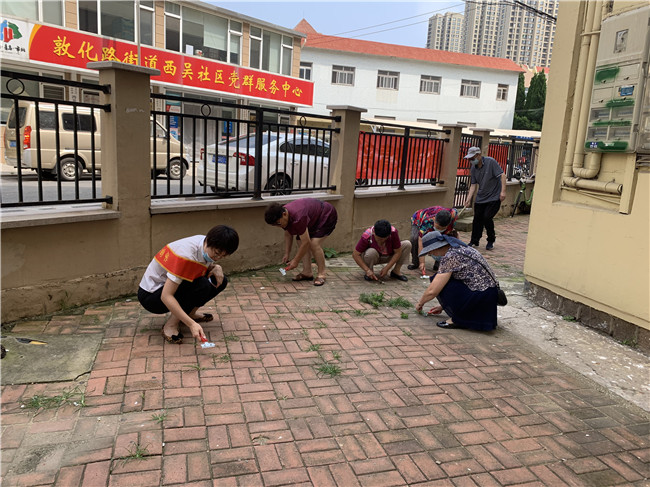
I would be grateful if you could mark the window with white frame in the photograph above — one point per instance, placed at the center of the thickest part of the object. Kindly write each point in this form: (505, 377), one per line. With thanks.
(430, 84)
(270, 51)
(210, 36)
(305, 70)
(108, 18)
(146, 22)
(172, 26)
(388, 80)
(50, 11)
(343, 75)
(469, 88)
(502, 92)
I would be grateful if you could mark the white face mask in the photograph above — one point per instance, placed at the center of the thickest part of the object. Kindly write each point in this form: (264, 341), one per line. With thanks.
(475, 161)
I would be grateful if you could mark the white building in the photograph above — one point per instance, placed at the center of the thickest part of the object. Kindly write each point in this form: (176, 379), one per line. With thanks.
(405, 84)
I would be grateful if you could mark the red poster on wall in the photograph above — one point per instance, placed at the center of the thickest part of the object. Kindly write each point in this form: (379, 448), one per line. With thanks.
(75, 49)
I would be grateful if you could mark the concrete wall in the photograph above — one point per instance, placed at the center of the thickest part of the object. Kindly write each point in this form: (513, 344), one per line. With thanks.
(587, 247)
(58, 258)
(407, 103)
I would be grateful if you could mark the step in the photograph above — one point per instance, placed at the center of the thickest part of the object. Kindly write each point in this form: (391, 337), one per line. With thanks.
(464, 224)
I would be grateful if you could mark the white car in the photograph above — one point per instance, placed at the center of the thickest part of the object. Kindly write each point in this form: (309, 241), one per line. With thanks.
(289, 161)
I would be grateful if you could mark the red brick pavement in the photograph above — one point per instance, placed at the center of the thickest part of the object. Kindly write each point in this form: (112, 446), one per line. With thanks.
(412, 405)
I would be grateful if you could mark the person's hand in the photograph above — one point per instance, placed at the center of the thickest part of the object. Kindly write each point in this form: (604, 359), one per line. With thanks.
(502, 196)
(217, 272)
(423, 270)
(291, 265)
(436, 310)
(285, 258)
(383, 272)
(197, 330)
(371, 275)
(419, 307)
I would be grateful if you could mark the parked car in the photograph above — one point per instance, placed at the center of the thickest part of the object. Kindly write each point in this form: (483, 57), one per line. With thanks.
(289, 161)
(63, 162)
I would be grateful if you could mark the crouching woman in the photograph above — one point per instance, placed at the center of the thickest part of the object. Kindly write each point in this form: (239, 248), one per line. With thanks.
(464, 285)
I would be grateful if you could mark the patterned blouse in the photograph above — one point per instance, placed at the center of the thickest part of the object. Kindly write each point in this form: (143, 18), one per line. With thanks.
(463, 265)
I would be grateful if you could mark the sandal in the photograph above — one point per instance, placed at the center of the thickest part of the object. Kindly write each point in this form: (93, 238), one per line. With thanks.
(302, 277)
(204, 318)
(319, 281)
(176, 339)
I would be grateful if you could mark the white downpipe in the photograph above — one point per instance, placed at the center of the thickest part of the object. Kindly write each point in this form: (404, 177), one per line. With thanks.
(574, 173)
(579, 88)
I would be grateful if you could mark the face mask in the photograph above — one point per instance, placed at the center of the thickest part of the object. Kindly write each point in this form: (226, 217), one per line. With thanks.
(437, 258)
(207, 258)
(475, 161)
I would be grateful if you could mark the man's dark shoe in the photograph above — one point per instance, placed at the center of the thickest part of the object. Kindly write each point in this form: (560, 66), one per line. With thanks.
(401, 277)
(410, 267)
(489, 246)
(472, 244)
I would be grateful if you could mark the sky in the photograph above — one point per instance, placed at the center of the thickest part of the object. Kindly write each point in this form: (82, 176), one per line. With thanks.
(393, 22)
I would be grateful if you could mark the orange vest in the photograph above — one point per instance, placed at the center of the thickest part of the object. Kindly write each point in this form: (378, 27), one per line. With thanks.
(180, 266)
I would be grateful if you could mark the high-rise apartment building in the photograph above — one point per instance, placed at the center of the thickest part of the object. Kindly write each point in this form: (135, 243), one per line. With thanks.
(446, 32)
(498, 29)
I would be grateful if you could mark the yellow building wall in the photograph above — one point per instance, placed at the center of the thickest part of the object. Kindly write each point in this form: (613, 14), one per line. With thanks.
(590, 248)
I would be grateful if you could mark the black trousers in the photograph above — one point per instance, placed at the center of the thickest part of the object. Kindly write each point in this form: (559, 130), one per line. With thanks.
(484, 214)
(190, 295)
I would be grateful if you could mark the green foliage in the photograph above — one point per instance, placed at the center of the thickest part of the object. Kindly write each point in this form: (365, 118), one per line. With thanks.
(569, 318)
(314, 347)
(159, 418)
(530, 114)
(374, 299)
(136, 452)
(329, 253)
(404, 315)
(329, 369)
(68, 397)
(399, 302)
(231, 338)
(521, 93)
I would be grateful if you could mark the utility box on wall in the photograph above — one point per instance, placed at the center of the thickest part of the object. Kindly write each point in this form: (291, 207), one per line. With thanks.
(617, 100)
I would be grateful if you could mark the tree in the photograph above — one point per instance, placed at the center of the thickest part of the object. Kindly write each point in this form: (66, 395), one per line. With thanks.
(521, 93)
(530, 113)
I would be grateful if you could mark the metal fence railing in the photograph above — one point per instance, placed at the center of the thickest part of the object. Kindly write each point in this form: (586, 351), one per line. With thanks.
(515, 157)
(52, 144)
(462, 174)
(214, 152)
(399, 159)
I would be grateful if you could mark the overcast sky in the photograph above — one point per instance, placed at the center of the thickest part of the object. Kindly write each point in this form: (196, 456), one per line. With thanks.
(403, 23)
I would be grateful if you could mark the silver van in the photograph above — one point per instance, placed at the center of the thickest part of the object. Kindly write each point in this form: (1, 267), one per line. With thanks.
(64, 161)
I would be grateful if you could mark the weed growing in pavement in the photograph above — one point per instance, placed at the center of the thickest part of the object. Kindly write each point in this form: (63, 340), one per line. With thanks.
(329, 369)
(373, 299)
(230, 338)
(569, 318)
(408, 333)
(629, 342)
(282, 398)
(362, 312)
(337, 355)
(314, 347)
(404, 315)
(222, 358)
(320, 324)
(312, 311)
(399, 302)
(254, 359)
(136, 452)
(261, 440)
(68, 397)
(195, 367)
(159, 418)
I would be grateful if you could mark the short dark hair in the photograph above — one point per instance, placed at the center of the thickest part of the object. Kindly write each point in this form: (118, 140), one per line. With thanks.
(223, 238)
(443, 218)
(273, 213)
(382, 228)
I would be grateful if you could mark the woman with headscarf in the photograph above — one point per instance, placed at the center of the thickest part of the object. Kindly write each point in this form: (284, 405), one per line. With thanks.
(465, 285)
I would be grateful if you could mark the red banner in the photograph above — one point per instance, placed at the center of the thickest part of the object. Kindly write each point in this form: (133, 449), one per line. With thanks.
(75, 49)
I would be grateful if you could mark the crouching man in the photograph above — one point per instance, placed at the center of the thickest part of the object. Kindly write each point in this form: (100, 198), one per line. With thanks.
(380, 244)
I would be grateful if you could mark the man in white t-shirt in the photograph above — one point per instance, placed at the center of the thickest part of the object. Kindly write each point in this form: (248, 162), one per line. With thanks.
(183, 276)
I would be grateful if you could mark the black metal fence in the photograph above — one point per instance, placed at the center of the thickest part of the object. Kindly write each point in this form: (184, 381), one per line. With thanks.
(217, 153)
(413, 156)
(53, 144)
(462, 174)
(517, 158)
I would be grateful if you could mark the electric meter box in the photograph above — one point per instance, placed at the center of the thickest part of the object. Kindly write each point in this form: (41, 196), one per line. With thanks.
(617, 99)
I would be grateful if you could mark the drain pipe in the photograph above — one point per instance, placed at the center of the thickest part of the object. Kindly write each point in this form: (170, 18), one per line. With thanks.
(574, 173)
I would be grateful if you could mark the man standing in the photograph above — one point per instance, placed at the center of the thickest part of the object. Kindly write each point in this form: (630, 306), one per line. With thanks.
(488, 182)
(380, 244)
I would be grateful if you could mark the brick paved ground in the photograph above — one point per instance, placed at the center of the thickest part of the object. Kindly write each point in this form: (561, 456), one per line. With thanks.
(412, 404)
